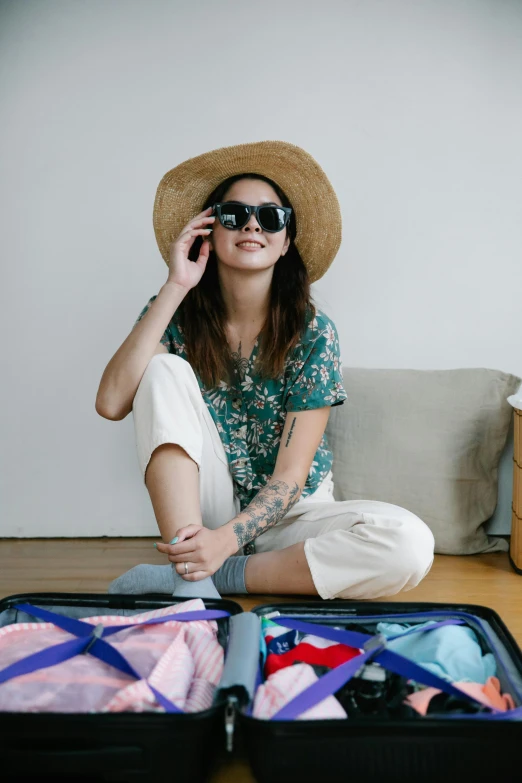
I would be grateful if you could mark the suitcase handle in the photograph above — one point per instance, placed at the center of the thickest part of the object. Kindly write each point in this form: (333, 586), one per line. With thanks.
(242, 659)
(84, 760)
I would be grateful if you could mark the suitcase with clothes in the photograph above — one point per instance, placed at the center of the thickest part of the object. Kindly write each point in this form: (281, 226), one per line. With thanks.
(373, 720)
(308, 690)
(115, 745)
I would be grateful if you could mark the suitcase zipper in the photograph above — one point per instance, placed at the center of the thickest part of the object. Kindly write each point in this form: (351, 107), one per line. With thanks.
(230, 719)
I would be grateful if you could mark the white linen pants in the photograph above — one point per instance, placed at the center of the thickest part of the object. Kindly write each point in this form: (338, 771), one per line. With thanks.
(358, 549)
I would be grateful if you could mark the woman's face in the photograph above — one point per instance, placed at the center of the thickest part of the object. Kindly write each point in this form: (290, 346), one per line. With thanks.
(227, 244)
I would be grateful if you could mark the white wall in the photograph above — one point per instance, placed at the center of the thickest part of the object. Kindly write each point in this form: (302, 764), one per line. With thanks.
(412, 108)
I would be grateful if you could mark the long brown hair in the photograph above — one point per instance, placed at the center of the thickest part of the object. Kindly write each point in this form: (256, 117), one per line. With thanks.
(202, 313)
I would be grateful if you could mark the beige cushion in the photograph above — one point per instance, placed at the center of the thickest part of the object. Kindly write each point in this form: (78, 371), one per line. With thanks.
(429, 441)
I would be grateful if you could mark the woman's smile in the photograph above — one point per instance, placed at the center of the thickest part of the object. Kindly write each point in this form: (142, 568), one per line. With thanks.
(250, 246)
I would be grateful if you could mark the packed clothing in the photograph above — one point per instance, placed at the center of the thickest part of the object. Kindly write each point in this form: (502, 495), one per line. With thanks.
(181, 660)
(172, 659)
(292, 661)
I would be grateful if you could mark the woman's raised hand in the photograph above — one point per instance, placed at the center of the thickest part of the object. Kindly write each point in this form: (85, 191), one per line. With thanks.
(182, 271)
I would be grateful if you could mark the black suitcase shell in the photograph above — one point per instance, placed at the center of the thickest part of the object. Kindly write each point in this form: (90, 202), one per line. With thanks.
(368, 750)
(110, 747)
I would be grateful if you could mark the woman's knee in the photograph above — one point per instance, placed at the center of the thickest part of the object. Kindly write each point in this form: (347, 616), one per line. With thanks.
(161, 360)
(164, 371)
(413, 554)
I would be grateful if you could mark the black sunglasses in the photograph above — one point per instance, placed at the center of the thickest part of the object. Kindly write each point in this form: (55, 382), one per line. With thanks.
(235, 215)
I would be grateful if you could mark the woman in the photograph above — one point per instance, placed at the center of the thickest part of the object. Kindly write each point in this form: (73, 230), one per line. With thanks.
(230, 408)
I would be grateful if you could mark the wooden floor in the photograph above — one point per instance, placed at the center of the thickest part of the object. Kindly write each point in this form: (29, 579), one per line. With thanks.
(89, 565)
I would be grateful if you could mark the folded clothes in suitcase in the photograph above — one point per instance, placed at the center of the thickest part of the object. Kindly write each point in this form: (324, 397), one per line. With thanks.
(312, 690)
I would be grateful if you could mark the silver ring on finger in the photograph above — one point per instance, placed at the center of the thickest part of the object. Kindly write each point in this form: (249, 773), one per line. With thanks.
(186, 568)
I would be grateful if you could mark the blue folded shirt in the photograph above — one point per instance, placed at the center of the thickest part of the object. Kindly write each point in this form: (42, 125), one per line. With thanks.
(452, 652)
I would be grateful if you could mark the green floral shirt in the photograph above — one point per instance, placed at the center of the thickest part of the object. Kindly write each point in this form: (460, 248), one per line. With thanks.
(250, 415)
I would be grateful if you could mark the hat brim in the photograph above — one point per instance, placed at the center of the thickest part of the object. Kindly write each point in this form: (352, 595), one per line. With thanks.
(183, 190)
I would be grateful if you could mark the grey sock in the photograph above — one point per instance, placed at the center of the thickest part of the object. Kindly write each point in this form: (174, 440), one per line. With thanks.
(161, 579)
(230, 577)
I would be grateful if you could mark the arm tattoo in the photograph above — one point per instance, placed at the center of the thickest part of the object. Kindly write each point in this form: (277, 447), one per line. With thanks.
(269, 506)
(290, 433)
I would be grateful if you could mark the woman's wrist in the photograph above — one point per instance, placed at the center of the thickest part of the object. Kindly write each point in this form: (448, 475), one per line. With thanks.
(229, 538)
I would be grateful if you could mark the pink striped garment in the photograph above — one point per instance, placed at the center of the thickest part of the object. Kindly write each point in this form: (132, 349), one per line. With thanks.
(282, 686)
(184, 661)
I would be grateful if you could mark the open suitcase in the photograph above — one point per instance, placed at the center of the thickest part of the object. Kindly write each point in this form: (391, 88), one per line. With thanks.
(184, 747)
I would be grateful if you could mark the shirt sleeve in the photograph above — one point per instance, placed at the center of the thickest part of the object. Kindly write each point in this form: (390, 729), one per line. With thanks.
(166, 340)
(316, 380)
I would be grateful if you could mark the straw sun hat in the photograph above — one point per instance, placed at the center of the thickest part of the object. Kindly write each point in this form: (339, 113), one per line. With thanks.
(182, 192)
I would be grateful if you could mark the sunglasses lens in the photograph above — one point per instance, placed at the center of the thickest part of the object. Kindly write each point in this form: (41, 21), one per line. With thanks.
(234, 215)
(272, 218)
